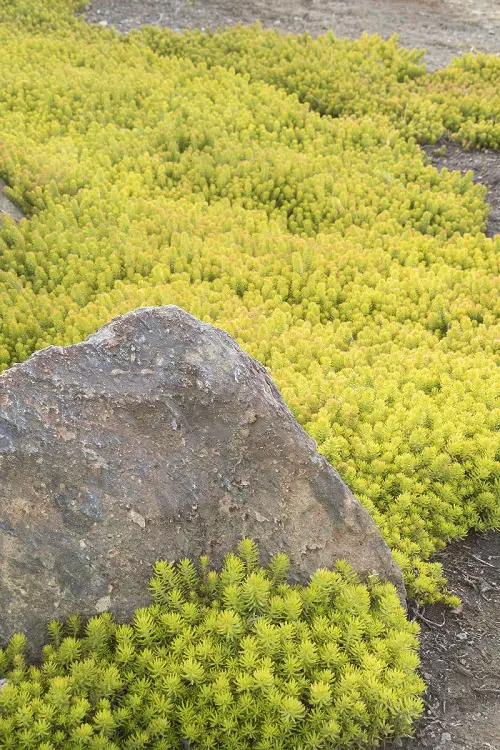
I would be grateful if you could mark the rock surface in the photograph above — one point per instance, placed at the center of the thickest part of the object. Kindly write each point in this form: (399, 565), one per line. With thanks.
(7, 206)
(157, 437)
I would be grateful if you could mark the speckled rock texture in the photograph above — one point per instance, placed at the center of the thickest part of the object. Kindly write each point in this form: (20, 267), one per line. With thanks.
(8, 207)
(156, 438)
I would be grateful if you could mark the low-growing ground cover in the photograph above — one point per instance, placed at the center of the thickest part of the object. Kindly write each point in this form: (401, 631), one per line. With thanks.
(275, 187)
(239, 659)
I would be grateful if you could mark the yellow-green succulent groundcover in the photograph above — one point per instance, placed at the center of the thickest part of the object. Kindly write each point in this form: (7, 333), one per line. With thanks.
(231, 661)
(273, 186)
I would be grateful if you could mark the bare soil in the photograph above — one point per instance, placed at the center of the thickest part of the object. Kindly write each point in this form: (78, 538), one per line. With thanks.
(460, 653)
(485, 166)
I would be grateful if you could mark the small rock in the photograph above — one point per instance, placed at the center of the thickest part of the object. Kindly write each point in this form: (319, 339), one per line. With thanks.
(445, 738)
(137, 518)
(462, 636)
(103, 604)
(7, 206)
(3, 683)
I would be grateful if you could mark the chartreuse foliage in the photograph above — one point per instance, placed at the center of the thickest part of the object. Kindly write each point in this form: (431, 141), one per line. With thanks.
(274, 186)
(231, 660)
(368, 76)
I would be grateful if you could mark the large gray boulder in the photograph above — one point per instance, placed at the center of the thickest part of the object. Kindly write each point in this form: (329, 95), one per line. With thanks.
(157, 437)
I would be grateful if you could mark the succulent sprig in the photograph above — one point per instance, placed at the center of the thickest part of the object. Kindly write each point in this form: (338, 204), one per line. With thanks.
(333, 668)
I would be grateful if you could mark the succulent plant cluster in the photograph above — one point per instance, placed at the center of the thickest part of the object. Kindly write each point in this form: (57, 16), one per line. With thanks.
(365, 77)
(222, 660)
